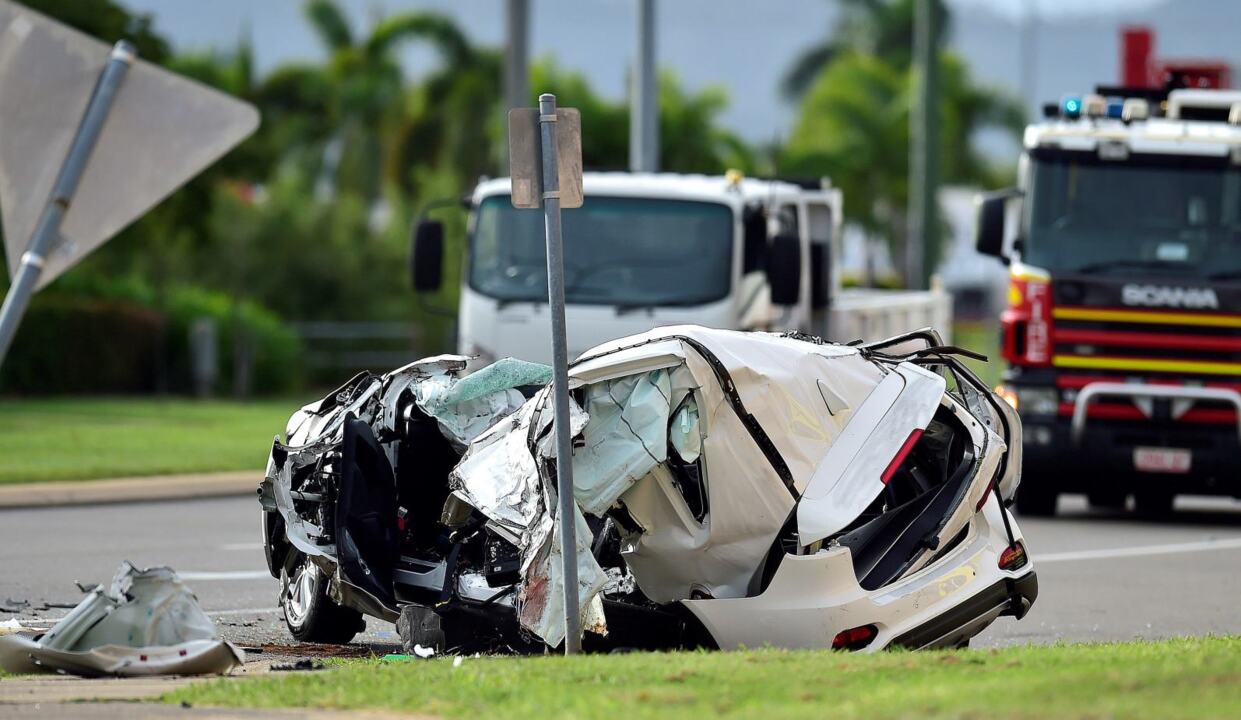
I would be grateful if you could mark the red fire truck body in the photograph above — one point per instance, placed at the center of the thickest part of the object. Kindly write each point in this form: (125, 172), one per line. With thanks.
(1123, 326)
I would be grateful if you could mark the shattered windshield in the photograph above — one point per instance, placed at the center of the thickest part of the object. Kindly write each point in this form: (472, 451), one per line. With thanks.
(1168, 214)
(618, 251)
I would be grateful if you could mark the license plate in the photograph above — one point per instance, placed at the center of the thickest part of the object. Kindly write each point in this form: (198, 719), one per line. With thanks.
(1162, 460)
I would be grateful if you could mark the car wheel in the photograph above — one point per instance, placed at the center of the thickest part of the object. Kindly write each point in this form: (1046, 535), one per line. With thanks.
(1035, 501)
(309, 613)
(1153, 504)
(1106, 499)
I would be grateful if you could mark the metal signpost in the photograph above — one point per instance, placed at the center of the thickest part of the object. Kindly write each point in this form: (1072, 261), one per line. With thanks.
(545, 164)
(48, 229)
(644, 94)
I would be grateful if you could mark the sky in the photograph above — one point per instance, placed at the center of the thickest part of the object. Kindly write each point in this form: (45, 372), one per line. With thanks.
(743, 45)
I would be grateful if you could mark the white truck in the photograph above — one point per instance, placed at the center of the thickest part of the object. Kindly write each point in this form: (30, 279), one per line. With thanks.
(648, 250)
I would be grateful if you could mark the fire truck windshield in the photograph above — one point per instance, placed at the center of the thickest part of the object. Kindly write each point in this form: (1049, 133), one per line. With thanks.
(1169, 215)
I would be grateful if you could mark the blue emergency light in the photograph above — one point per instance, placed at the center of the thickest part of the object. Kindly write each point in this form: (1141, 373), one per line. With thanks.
(1072, 106)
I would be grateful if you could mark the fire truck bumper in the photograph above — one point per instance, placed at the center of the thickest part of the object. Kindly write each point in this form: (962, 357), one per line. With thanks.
(1131, 455)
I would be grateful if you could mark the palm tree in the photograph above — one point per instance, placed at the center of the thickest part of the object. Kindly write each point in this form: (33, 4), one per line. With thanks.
(380, 131)
(855, 93)
(692, 138)
(854, 127)
(884, 28)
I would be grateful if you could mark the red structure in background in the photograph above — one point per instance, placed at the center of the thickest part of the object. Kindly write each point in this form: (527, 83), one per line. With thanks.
(1140, 68)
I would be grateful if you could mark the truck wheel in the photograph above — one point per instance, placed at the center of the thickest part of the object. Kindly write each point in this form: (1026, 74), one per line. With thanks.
(1153, 504)
(309, 613)
(1036, 501)
(1106, 499)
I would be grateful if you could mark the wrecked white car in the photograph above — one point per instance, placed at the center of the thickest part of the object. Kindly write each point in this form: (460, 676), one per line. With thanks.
(731, 489)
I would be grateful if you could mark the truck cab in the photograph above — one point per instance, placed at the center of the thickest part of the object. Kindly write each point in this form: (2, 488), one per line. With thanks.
(644, 250)
(1123, 326)
(652, 249)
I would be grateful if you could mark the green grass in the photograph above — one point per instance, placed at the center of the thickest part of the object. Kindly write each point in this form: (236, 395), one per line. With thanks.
(1185, 678)
(983, 337)
(88, 438)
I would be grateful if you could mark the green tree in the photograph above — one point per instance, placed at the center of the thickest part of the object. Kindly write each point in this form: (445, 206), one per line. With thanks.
(854, 127)
(378, 129)
(855, 94)
(108, 21)
(884, 28)
(691, 136)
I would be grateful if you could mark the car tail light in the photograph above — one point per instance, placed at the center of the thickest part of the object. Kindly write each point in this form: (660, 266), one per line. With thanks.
(854, 638)
(1014, 557)
(1027, 325)
(901, 455)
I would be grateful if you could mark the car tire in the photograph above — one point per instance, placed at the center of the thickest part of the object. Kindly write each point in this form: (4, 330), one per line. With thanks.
(1106, 499)
(1153, 504)
(1035, 501)
(309, 613)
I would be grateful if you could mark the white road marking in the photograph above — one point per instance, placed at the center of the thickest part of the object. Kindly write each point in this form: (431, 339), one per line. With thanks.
(243, 611)
(207, 576)
(1139, 551)
(53, 619)
(242, 546)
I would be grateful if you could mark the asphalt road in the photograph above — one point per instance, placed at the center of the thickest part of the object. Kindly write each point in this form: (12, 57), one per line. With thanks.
(1102, 576)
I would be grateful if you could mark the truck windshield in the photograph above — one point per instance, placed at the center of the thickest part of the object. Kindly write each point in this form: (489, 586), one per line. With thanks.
(636, 252)
(1165, 214)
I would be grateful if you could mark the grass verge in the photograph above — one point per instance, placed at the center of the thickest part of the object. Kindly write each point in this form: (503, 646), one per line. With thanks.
(1184, 678)
(88, 438)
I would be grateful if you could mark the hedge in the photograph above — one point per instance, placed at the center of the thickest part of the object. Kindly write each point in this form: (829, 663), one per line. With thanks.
(89, 344)
(277, 349)
(85, 345)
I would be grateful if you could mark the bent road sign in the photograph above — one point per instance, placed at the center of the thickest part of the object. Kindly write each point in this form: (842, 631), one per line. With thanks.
(161, 131)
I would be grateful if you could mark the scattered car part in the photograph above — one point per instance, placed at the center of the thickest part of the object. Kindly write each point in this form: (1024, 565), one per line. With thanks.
(731, 489)
(146, 623)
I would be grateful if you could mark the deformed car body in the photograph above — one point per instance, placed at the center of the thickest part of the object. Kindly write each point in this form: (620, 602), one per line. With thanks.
(731, 489)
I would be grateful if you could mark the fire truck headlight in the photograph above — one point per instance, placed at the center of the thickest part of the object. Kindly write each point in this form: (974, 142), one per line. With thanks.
(1007, 395)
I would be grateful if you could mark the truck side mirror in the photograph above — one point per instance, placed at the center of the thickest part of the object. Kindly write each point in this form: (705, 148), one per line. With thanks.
(820, 275)
(427, 256)
(784, 269)
(754, 240)
(989, 224)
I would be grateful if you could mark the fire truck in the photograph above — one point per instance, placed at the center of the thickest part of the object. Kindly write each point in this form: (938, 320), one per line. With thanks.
(1122, 331)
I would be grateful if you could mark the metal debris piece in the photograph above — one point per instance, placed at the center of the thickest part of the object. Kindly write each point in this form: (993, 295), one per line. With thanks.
(146, 623)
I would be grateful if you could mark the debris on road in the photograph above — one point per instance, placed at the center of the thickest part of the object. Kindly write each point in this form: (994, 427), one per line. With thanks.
(13, 625)
(146, 623)
(299, 666)
(13, 606)
(315, 650)
(731, 489)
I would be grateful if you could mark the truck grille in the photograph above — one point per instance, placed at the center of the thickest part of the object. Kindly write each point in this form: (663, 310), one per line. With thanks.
(1121, 345)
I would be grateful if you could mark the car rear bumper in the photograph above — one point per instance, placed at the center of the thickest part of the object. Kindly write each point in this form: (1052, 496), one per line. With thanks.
(811, 598)
(1010, 596)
